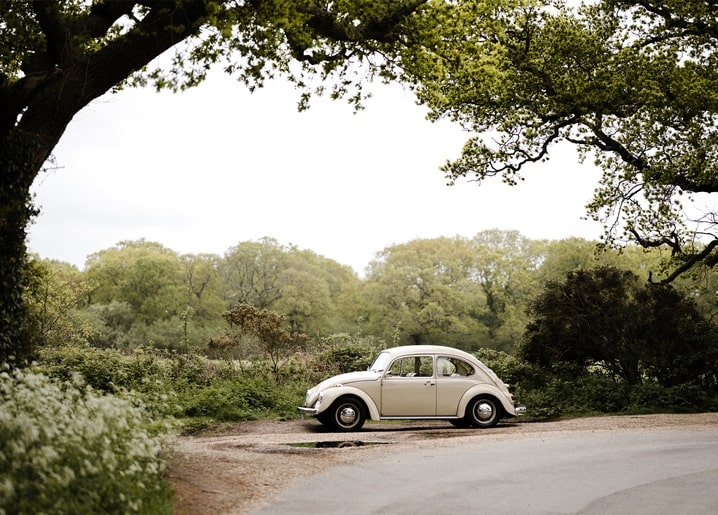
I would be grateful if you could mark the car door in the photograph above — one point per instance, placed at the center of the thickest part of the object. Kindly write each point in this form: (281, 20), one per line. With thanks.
(454, 377)
(409, 388)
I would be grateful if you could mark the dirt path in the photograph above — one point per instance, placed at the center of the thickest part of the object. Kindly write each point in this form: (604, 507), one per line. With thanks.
(242, 468)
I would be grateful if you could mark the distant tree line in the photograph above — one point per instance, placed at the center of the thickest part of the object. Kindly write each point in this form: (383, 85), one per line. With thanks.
(470, 293)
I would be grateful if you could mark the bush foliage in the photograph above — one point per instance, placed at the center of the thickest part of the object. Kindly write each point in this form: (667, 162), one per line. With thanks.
(67, 448)
(609, 319)
(201, 391)
(81, 403)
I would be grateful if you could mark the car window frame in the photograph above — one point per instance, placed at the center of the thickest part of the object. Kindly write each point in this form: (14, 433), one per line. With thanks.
(455, 373)
(418, 366)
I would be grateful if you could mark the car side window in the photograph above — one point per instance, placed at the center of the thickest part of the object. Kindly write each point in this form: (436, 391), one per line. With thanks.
(453, 367)
(413, 366)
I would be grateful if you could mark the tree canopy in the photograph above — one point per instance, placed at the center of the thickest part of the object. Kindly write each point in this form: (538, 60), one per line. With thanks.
(632, 83)
(607, 318)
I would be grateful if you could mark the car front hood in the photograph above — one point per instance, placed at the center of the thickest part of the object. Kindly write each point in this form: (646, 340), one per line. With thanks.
(351, 377)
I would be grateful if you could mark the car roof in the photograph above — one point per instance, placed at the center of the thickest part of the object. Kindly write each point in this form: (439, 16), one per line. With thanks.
(427, 349)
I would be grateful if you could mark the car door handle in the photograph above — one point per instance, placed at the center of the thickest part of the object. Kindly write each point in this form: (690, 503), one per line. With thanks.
(429, 383)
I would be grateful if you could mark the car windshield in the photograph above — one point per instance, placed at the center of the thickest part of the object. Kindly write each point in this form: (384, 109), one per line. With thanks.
(381, 362)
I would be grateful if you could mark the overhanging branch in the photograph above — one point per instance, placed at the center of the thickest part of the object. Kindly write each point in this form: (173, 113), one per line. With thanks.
(705, 256)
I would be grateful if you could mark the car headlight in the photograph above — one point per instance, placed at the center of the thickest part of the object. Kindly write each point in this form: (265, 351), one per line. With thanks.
(311, 398)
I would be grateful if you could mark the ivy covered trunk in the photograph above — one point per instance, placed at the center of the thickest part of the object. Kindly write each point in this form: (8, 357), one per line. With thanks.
(16, 176)
(43, 112)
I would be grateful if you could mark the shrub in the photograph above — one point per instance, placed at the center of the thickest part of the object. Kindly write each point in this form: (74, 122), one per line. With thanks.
(242, 399)
(512, 370)
(685, 398)
(554, 399)
(65, 448)
(202, 391)
(602, 394)
(182, 385)
(344, 353)
(106, 370)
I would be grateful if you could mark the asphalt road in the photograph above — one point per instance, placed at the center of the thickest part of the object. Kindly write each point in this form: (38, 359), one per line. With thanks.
(628, 472)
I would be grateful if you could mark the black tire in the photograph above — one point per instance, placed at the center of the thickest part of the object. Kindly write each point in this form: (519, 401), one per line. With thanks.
(347, 414)
(483, 412)
(325, 419)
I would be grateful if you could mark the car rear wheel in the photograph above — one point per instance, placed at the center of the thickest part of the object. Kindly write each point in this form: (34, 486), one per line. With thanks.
(347, 415)
(484, 412)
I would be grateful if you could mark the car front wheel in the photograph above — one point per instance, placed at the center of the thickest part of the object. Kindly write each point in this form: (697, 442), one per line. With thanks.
(483, 412)
(347, 415)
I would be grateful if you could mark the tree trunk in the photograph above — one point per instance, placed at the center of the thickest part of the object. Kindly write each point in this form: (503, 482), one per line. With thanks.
(15, 212)
(34, 113)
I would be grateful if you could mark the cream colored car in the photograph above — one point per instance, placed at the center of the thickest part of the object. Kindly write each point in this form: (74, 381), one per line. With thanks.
(428, 382)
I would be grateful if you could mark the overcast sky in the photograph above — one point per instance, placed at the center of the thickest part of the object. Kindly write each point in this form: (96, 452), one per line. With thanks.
(209, 168)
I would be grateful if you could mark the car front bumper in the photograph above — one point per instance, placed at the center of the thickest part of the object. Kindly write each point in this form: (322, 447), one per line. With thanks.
(520, 409)
(304, 411)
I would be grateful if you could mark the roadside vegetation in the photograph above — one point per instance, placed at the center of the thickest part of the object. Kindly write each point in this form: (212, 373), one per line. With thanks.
(144, 343)
(68, 448)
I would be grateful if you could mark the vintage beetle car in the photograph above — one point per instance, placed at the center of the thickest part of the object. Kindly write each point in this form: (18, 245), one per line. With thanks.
(414, 382)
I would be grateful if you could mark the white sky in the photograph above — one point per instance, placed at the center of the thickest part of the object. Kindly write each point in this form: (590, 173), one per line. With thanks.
(209, 168)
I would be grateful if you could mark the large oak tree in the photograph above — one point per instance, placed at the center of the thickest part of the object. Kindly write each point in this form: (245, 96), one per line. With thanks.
(58, 56)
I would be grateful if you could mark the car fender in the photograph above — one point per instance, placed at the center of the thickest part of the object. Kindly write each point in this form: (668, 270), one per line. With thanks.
(331, 394)
(487, 389)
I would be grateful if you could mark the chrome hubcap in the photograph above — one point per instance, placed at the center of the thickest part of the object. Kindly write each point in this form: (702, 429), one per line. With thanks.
(347, 415)
(484, 411)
